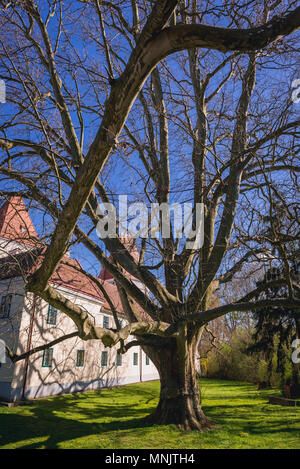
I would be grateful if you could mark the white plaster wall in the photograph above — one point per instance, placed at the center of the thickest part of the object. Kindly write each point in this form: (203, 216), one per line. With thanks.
(10, 330)
(64, 375)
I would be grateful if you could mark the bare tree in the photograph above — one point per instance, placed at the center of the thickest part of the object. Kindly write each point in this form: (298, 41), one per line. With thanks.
(70, 68)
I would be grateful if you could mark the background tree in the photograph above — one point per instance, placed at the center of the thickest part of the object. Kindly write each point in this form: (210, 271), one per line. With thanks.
(200, 130)
(280, 323)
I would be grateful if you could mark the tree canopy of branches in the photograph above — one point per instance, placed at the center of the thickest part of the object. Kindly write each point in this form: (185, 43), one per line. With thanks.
(165, 101)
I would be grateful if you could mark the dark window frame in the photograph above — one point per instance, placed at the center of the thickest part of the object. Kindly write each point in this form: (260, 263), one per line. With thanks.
(135, 358)
(104, 362)
(119, 359)
(52, 315)
(106, 322)
(47, 358)
(5, 306)
(80, 358)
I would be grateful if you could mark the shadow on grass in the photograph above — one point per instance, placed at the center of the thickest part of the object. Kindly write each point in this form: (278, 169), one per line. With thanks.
(45, 424)
(48, 423)
(254, 419)
(56, 430)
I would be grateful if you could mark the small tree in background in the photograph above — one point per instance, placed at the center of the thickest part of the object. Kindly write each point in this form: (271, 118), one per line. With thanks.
(276, 328)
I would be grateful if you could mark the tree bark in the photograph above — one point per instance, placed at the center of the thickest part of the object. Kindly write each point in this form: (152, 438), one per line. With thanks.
(179, 401)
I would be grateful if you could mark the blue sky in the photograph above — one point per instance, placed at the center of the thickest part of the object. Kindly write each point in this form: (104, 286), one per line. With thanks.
(273, 87)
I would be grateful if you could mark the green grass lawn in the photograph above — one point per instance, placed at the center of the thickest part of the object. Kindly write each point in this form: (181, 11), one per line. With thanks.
(110, 418)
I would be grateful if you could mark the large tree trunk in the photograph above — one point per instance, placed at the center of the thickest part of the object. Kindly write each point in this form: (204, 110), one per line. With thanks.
(179, 401)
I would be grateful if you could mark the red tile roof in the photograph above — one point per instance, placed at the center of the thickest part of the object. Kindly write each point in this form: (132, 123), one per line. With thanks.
(16, 225)
(66, 276)
(105, 274)
(15, 222)
(25, 263)
(129, 244)
(14, 216)
(112, 291)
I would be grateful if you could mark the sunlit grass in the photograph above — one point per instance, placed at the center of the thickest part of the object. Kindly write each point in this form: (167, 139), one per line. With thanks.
(111, 419)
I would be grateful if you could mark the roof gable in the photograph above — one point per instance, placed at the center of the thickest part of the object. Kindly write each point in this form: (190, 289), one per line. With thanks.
(15, 222)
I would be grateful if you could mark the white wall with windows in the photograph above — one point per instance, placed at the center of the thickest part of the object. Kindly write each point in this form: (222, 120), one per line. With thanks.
(73, 365)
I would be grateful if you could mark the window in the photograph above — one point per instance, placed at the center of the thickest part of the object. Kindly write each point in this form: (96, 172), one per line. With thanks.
(104, 358)
(135, 358)
(52, 315)
(80, 358)
(47, 357)
(105, 321)
(5, 306)
(147, 360)
(119, 359)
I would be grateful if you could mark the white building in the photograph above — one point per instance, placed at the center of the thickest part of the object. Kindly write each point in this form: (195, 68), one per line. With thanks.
(27, 322)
